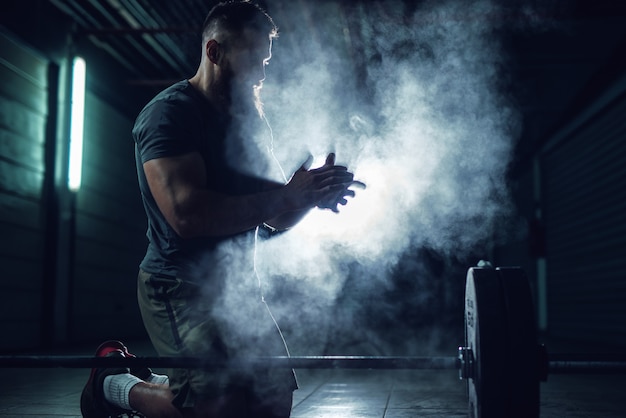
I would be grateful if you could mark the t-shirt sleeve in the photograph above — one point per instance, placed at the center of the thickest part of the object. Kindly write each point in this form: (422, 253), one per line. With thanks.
(163, 130)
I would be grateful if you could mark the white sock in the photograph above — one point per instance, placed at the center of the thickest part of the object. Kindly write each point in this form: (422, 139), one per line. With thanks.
(158, 379)
(117, 388)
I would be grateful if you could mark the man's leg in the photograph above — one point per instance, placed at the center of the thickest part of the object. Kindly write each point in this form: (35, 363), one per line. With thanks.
(153, 401)
(178, 320)
(111, 392)
(178, 316)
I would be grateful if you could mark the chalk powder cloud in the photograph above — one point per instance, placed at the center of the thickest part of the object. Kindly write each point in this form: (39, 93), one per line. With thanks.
(417, 111)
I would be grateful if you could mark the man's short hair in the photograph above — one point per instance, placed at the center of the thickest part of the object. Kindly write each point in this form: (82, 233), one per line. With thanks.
(233, 17)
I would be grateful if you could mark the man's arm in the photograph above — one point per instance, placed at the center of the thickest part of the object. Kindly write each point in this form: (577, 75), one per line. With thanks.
(289, 219)
(178, 185)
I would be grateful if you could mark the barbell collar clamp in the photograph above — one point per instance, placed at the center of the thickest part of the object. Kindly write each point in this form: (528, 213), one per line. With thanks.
(466, 363)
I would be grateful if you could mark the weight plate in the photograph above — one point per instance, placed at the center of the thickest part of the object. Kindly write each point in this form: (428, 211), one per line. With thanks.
(486, 336)
(523, 396)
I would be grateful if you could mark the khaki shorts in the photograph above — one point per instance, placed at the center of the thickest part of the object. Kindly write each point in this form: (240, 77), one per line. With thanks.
(179, 318)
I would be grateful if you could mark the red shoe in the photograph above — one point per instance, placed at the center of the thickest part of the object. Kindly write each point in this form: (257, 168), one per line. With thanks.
(92, 401)
(143, 372)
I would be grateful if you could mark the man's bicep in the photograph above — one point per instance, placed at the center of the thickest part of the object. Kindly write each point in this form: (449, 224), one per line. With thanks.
(173, 179)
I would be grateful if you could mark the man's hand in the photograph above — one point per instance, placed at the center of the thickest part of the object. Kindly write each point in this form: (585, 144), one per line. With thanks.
(339, 198)
(325, 187)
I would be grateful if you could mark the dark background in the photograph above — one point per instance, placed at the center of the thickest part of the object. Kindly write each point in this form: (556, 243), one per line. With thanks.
(69, 261)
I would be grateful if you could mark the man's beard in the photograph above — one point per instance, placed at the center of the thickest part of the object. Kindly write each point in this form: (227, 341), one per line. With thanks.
(247, 125)
(240, 93)
(258, 103)
(245, 95)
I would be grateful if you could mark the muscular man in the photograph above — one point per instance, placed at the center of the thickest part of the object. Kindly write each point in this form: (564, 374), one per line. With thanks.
(197, 201)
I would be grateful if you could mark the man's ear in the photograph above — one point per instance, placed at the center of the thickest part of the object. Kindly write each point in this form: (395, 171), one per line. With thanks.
(213, 51)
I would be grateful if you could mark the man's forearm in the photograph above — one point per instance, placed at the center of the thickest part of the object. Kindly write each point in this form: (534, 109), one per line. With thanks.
(287, 219)
(211, 214)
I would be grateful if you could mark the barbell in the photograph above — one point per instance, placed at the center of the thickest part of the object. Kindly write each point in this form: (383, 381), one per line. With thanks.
(501, 360)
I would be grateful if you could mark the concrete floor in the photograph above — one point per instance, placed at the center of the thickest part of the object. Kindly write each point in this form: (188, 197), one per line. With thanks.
(338, 394)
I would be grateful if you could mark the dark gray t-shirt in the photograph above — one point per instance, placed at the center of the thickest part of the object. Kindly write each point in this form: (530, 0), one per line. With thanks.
(177, 121)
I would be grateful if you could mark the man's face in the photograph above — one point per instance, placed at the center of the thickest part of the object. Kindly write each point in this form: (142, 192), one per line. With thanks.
(244, 67)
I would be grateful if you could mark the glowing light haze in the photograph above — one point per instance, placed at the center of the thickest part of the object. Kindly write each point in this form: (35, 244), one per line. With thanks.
(411, 100)
(431, 135)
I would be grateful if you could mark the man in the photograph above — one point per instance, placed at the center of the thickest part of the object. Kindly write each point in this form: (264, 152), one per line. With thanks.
(197, 204)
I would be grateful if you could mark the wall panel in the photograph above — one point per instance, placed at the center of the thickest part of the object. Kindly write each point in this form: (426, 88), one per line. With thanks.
(23, 112)
(110, 229)
(585, 212)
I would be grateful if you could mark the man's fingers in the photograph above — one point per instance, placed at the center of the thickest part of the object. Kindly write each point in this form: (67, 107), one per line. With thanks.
(327, 186)
(337, 183)
(359, 184)
(329, 168)
(330, 160)
(329, 165)
(337, 174)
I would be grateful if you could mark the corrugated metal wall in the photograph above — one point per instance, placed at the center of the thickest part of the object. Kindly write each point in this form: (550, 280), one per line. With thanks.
(23, 113)
(584, 197)
(69, 262)
(110, 229)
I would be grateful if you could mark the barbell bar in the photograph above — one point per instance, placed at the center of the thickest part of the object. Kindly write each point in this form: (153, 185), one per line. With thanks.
(293, 362)
(559, 364)
(500, 360)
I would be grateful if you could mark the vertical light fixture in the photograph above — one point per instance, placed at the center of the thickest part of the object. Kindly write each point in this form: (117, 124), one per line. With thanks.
(77, 124)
